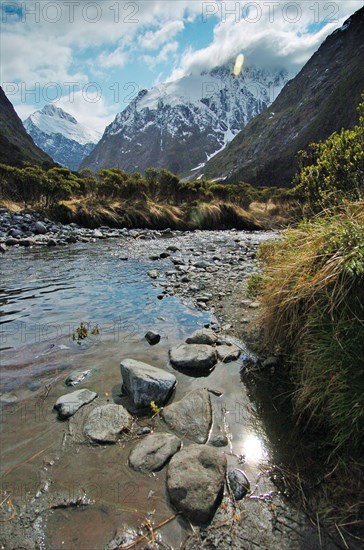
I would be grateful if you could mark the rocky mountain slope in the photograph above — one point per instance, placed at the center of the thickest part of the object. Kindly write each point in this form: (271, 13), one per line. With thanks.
(16, 146)
(179, 125)
(60, 135)
(320, 100)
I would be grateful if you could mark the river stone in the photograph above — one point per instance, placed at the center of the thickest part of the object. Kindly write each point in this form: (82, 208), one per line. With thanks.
(153, 274)
(68, 404)
(152, 338)
(105, 423)
(191, 416)
(219, 440)
(145, 383)
(193, 356)
(153, 452)
(195, 481)
(40, 228)
(203, 336)
(76, 377)
(11, 241)
(228, 353)
(239, 483)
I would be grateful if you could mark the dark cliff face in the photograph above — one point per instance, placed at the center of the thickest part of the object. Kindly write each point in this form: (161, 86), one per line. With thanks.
(175, 126)
(320, 100)
(16, 146)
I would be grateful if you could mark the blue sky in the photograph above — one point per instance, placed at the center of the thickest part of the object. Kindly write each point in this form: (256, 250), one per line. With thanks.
(91, 58)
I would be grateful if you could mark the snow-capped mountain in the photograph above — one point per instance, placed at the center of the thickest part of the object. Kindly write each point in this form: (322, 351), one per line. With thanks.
(323, 98)
(60, 135)
(180, 125)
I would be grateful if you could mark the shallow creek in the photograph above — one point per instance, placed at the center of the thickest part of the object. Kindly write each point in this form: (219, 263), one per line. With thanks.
(46, 468)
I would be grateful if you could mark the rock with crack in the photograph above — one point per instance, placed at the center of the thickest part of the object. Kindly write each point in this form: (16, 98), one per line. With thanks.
(68, 404)
(145, 383)
(191, 416)
(195, 482)
(104, 424)
(153, 452)
(200, 357)
(226, 353)
(202, 336)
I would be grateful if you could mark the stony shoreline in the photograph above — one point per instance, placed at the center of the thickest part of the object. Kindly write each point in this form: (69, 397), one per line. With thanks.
(29, 228)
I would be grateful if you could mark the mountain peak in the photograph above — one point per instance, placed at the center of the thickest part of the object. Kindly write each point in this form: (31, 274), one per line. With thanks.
(180, 124)
(54, 120)
(52, 111)
(61, 135)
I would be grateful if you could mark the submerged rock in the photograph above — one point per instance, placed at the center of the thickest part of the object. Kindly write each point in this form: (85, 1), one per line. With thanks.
(203, 336)
(191, 416)
(153, 452)
(195, 481)
(219, 440)
(68, 404)
(239, 483)
(104, 424)
(76, 377)
(152, 338)
(145, 383)
(193, 356)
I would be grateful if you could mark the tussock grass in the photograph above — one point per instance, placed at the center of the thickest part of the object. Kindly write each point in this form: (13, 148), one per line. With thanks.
(273, 214)
(150, 214)
(313, 316)
(221, 215)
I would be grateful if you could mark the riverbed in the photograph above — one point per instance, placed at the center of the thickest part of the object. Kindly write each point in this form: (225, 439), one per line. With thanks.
(62, 492)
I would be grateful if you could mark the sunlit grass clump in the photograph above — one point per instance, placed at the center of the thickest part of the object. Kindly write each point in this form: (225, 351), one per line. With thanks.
(313, 301)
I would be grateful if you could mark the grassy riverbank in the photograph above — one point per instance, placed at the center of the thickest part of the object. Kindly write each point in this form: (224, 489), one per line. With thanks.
(312, 296)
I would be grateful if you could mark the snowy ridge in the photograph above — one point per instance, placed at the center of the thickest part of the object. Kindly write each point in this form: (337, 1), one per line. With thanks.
(61, 136)
(181, 124)
(54, 120)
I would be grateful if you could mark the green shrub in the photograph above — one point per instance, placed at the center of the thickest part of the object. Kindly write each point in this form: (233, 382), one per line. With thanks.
(333, 171)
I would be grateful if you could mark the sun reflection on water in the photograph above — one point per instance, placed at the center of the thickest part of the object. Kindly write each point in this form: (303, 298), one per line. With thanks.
(254, 449)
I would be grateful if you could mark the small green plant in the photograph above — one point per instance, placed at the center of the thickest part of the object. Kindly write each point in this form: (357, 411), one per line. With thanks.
(255, 285)
(83, 331)
(155, 409)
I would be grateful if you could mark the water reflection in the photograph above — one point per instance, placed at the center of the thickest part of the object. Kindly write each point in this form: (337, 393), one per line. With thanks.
(253, 449)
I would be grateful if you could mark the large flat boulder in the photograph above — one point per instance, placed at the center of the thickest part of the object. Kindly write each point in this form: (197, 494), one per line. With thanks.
(145, 383)
(202, 336)
(104, 424)
(68, 404)
(153, 452)
(193, 357)
(191, 416)
(195, 481)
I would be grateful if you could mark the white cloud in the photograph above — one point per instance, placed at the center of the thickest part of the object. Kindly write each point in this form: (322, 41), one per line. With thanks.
(117, 58)
(154, 39)
(167, 49)
(281, 37)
